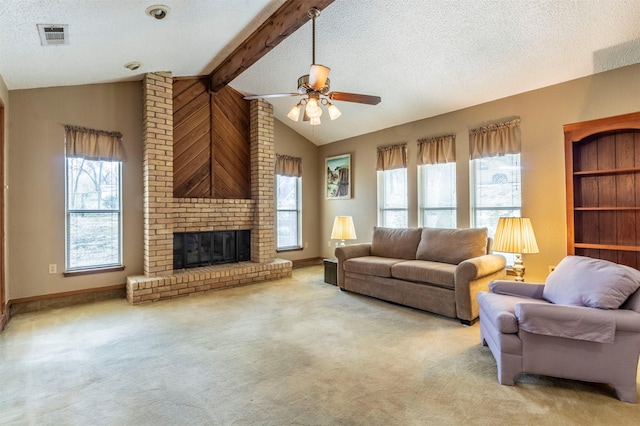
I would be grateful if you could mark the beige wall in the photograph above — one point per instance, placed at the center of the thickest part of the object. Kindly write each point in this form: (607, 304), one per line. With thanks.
(4, 98)
(36, 181)
(288, 142)
(543, 112)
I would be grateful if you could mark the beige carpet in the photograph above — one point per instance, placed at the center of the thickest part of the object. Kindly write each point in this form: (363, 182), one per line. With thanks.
(291, 352)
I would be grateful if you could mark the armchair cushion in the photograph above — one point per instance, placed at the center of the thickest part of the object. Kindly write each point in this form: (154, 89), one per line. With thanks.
(437, 244)
(596, 283)
(569, 322)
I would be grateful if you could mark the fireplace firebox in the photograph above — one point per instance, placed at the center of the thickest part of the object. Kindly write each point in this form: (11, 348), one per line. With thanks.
(194, 249)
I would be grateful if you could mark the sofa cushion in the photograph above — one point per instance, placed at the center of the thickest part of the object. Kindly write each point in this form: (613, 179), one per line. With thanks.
(371, 265)
(425, 271)
(396, 243)
(451, 245)
(596, 283)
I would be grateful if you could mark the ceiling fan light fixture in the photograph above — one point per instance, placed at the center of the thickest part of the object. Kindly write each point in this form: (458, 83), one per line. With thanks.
(314, 87)
(294, 113)
(334, 112)
(318, 75)
(312, 108)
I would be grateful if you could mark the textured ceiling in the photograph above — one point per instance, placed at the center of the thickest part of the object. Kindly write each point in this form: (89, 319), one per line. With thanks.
(424, 58)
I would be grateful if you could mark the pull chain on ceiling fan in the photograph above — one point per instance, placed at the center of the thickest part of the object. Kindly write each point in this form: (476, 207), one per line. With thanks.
(315, 86)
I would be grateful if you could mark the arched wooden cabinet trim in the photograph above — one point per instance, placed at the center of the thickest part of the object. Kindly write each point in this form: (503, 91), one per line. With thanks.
(602, 163)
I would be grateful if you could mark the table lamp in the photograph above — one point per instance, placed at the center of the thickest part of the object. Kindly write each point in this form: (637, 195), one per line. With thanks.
(515, 235)
(343, 229)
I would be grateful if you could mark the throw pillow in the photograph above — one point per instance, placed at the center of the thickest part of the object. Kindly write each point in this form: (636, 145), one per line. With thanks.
(452, 245)
(596, 283)
(395, 243)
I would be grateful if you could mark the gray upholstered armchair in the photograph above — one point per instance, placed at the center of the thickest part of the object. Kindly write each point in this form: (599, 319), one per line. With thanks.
(582, 324)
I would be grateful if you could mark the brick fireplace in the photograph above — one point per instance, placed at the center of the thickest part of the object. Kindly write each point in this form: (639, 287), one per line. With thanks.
(164, 215)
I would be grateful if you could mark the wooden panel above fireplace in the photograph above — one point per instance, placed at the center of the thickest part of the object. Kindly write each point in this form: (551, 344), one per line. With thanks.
(211, 141)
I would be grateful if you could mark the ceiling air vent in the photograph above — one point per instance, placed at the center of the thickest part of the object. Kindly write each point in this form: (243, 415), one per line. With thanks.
(53, 34)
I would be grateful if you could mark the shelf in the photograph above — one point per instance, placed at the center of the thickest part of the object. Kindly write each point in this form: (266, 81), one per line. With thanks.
(606, 172)
(606, 247)
(605, 209)
(602, 178)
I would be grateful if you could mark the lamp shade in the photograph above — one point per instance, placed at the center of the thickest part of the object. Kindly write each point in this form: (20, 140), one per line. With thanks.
(318, 75)
(343, 228)
(294, 113)
(334, 112)
(515, 235)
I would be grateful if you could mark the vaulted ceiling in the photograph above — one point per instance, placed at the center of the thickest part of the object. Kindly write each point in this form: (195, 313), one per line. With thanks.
(424, 58)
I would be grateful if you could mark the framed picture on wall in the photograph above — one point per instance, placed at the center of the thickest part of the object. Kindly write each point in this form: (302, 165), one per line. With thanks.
(338, 177)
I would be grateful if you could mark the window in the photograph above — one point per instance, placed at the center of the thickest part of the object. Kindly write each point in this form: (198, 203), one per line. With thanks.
(392, 186)
(437, 195)
(497, 191)
(288, 212)
(437, 181)
(94, 214)
(495, 174)
(392, 198)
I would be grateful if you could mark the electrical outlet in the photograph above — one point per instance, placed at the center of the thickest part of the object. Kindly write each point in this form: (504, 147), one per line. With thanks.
(329, 243)
(53, 268)
(552, 268)
(306, 244)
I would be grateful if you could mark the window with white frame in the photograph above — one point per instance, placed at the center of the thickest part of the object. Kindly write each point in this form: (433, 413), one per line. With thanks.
(497, 190)
(288, 212)
(288, 202)
(393, 209)
(94, 214)
(437, 182)
(437, 195)
(93, 183)
(392, 198)
(496, 187)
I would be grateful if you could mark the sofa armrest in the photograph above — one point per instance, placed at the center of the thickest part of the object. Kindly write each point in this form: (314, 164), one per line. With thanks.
(570, 322)
(344, 253)
(478, 267)
(512, 288)
(472, 276)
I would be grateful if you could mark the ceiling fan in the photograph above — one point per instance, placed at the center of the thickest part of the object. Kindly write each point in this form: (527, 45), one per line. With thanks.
(315, 88)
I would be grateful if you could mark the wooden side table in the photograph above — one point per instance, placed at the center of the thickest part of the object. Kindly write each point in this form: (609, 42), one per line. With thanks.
(331, 271)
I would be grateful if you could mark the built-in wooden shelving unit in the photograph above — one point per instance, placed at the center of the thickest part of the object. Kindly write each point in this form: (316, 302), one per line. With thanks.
(602, 162)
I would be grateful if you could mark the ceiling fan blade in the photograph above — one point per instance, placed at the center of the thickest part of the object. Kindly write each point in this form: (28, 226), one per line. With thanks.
(354, 97)
(318, 75)
(272, 95)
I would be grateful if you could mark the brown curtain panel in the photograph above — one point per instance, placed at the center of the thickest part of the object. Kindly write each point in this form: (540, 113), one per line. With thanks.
(495, 139)
(93, 144)
(288, 166)
(392, 157)
(439, 150)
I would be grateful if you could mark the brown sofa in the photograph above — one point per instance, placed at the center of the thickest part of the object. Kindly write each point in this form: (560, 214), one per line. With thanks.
(433, 269)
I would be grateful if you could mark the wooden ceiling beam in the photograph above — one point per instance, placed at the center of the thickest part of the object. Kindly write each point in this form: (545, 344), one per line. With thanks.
(284, 22)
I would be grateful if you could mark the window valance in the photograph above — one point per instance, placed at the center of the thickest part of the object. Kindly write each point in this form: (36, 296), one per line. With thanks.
(288, 166)
(93, 144)
(437, 150)
(495, 140)
(392, 157)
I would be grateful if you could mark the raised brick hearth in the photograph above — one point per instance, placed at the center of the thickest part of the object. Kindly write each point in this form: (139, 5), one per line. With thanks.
(164, 215)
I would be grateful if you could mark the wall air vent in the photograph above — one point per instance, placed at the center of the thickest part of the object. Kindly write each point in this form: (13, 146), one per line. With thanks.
(53, 34)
